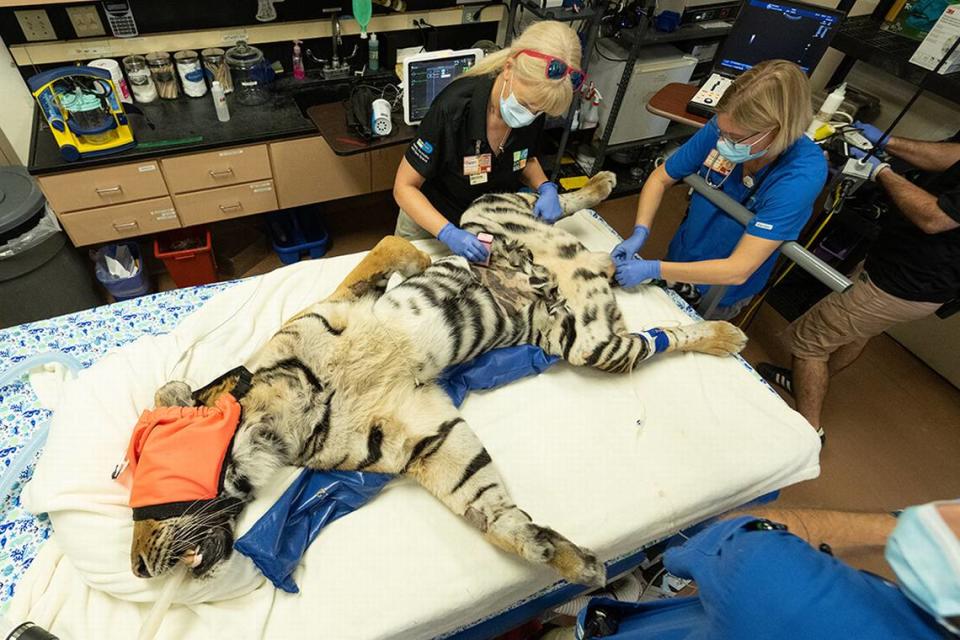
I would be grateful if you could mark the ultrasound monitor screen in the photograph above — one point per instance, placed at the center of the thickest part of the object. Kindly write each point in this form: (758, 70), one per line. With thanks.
(790, 31)
(427, 78)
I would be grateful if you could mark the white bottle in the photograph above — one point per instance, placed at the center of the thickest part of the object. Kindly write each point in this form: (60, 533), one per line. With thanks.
(827, 109)
(220, 101)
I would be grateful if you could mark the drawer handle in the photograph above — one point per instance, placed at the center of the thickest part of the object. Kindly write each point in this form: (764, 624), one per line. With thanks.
(126, 226)
(223, 173)
(230, 207)
(106, 191)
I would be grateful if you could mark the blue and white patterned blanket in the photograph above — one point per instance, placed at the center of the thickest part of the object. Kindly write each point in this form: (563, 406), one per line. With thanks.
(88, 336)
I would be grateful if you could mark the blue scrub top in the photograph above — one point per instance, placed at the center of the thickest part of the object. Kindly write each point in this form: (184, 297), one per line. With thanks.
(782, 205)
(767, 584)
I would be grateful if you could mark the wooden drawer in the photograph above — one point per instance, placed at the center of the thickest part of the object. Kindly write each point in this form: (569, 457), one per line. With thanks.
(98, 187)
(307, 171)
(384, 164)
(214, 205)
(217, 168)
(120, 221)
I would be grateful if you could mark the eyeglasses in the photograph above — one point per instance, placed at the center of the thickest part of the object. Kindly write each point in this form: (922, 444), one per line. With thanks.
(743, 139)
(557, 68)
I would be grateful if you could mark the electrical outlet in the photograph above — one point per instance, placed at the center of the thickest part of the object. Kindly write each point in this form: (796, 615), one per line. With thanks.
(35, 24)
(468, 15)
(86, 21)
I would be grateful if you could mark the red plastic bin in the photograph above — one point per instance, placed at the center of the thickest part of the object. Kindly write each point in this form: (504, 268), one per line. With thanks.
(188, 267)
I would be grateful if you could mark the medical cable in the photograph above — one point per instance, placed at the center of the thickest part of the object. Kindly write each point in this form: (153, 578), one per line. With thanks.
(916, 95)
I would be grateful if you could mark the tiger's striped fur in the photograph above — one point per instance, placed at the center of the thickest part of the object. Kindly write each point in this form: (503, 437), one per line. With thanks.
(349, 382)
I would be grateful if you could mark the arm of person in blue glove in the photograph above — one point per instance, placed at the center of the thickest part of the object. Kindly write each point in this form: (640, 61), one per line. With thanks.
(871, 133)
(463, 243)
(630, 247)
(631, 273)
(548, 206)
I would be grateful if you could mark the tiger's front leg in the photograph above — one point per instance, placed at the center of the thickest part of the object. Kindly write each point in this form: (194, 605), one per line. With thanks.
(445, 456)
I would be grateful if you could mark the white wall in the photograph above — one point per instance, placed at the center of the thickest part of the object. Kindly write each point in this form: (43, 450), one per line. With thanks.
(17, 111)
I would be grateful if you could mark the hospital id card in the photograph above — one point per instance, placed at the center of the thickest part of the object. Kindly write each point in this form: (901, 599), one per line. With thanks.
(478, 178)
(718, 164)
(478, 164)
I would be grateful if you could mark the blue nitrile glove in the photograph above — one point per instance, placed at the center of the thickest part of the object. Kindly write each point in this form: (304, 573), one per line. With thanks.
(632, 245)
(463, 243)
(871, 133)
(876, 165)
(548, 206)
(630, 273)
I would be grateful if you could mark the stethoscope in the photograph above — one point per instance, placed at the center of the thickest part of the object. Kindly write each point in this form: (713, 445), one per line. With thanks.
(712, 168)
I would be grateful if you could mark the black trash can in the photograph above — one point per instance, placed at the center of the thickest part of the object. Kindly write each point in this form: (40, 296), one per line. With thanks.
(41, 274)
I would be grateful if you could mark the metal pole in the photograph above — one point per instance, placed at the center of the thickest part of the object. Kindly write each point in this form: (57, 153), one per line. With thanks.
(594, 28)
(711, 301)
(804, 259)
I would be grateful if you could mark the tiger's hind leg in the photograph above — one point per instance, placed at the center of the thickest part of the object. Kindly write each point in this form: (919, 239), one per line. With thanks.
(391, 255)
(445, 456)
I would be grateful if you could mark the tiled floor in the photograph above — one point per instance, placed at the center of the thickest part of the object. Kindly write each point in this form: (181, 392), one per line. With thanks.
(893, 424)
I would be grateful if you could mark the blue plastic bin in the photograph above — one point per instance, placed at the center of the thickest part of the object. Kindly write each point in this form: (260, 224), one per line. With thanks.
(295, 232)
(122, 288)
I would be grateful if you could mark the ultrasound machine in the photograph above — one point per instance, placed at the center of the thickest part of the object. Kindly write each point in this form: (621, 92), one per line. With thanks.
(785, 30)
(425, 75)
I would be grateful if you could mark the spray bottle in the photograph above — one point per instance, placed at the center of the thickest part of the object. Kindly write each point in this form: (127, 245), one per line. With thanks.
(827, 109)
(298, 72)
(373, 50)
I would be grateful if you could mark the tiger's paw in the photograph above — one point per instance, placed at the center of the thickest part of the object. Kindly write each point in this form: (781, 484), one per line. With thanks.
(173, 394)
(573, 563)
(715, 337)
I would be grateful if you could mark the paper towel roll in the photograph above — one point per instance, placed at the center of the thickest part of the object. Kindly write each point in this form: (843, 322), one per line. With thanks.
(116, 75)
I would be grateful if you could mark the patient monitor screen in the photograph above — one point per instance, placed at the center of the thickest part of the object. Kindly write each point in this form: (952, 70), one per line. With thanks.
(786, 30)
(427, 78)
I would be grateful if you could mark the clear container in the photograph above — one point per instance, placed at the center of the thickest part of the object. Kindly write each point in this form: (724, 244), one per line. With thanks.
(215, 66)
(191, 73)
(141, 82)
(247, 67)
(164, 74)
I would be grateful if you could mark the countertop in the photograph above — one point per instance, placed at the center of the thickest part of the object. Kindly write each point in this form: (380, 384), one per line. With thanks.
(184, 117)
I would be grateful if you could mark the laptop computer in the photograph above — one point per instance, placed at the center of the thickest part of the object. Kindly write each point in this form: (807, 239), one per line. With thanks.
(785, 30)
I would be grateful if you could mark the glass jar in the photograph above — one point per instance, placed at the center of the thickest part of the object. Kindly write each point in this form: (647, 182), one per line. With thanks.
(164, 74)
(248, 69)
(215, 66)
(141, 82)
(191, 73)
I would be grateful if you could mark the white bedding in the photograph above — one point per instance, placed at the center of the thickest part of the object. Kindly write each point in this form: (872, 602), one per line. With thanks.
(567, 442)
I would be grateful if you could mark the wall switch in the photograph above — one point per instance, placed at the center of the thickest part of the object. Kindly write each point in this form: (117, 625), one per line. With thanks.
(35, 24)
(86, 21)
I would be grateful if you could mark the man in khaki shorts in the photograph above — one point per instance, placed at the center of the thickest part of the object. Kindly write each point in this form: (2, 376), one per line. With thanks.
(911, 270)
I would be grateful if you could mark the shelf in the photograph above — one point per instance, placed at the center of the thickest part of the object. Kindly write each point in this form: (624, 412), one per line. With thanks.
(683, 34)
(675, 131)
(558, 13)
(863, 39)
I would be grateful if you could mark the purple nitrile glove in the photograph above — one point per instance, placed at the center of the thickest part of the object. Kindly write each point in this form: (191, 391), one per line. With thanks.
(632, 245)
(548, 206)
(872, 133)
(876, 165)
(463, 243)
(630, 273)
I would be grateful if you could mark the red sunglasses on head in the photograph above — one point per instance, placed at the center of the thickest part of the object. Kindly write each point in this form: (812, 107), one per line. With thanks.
(557, 68)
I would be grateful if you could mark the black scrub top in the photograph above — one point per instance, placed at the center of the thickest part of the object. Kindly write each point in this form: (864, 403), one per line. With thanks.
(455, 128)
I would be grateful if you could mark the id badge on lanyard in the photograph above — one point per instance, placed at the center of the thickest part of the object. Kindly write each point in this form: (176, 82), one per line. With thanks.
(478, 166)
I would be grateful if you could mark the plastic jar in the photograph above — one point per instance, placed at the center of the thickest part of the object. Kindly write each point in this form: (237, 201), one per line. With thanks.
(247, 67)
(191, 73)
(141, 82)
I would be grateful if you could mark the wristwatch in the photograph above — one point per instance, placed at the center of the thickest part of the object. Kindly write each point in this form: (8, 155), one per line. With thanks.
(762, 524)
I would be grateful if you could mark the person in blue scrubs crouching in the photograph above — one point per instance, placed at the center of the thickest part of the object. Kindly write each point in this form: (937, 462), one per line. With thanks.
(756, 579)
(756, 152)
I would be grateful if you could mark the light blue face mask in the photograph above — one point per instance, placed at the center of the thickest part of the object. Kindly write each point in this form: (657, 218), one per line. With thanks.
(925, 554)
(739, 152)
(513, 113)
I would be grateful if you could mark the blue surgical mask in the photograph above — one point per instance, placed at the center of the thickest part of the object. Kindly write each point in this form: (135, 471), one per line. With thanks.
(513, 113)
(739, 152)
(925, 554)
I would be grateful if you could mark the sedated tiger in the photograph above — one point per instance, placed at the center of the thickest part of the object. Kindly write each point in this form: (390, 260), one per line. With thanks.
(349, 383)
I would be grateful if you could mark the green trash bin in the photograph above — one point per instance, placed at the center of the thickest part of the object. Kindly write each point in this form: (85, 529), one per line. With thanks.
(41, 274)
